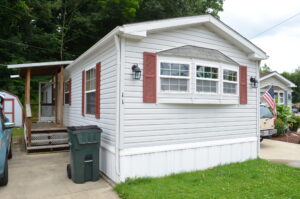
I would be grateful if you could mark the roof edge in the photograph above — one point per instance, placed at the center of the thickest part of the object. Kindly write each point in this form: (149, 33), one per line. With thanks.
(38, 64)
(291, 84)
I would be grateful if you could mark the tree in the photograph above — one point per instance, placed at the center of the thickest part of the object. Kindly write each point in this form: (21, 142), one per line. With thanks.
(295, 78)
(265, 69)
(43, 30)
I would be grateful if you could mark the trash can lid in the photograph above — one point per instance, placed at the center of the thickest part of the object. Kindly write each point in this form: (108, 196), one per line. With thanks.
(80, 128)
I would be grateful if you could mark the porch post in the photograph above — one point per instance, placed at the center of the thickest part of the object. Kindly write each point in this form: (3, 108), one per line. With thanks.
(61, 94)
(56, 97)
(27, 86)
(27, 105)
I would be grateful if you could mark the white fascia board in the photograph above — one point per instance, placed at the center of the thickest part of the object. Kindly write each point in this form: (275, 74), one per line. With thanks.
(97, 45)
(257, 53)
(56, 63)
(164, 23)
(135, 35)
(291, 84)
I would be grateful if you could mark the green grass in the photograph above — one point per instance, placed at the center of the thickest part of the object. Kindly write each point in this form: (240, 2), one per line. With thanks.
(18, 132)
(254, 179)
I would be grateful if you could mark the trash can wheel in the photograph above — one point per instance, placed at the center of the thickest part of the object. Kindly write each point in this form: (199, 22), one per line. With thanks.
(69, 171)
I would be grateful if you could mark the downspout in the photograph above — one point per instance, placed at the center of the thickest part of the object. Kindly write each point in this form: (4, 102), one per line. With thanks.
(258, 109)
(118, 106)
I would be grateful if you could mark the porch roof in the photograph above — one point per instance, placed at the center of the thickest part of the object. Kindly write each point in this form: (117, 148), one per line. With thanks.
(40, 68)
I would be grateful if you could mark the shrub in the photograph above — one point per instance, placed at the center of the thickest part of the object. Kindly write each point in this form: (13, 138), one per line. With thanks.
(294, 125)
(280, 126)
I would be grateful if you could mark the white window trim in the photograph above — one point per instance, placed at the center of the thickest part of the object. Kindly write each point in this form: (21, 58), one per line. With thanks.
(89, 91)
(66, 92)
(235, 82)
(193, 79)
(174, 61)
(278, 95)
(197, 63)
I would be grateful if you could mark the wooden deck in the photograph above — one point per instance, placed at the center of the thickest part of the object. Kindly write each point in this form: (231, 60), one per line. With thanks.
(43, 126)
(48, 136)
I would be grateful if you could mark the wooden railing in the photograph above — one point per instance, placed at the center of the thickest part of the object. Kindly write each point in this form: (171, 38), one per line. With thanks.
(27, 123)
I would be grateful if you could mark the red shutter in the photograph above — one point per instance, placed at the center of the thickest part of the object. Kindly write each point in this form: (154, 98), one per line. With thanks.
(83, 93)
(149, 84)
(98, 85)
(243, 85)
(70, 91)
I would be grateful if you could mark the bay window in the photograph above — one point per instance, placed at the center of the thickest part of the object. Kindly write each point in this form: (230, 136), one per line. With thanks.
(230, 81)
(174, 77)
(90, 91)
(207, 79)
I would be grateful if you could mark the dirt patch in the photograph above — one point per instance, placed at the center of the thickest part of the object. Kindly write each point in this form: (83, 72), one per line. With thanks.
(292, 137)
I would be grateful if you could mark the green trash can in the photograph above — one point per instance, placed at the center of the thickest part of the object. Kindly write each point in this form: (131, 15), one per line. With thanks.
(84, 144)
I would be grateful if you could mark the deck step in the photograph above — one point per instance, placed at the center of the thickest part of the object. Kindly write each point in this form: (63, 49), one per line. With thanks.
(48, 134)
(29, 148)
(56, 129)
(64, 140)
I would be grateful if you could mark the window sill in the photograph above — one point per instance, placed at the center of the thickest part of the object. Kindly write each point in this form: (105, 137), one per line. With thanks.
(197, 98)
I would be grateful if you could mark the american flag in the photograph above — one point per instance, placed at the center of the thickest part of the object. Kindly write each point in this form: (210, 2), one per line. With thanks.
(269, 97)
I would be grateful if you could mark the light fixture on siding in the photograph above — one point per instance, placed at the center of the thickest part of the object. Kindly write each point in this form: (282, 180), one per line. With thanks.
(253, 82)
(136, 72)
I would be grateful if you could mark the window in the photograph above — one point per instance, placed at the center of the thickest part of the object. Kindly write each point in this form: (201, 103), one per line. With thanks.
(174, 77)
(280, 97)
(229, 81)
(207, 79)
(67, 93)
(90, 90)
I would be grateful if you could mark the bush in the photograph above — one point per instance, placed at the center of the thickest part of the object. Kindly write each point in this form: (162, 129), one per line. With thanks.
(294, 125)
(280, 126)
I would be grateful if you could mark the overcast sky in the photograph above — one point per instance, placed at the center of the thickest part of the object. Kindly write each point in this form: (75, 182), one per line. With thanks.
(281, 43)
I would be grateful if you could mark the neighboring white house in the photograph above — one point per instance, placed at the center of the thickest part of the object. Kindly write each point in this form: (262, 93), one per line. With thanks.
(283, 87)
(193, 107)
(13, 109)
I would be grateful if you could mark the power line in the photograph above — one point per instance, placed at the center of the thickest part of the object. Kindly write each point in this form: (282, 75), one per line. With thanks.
(274, 26)
(27, 45)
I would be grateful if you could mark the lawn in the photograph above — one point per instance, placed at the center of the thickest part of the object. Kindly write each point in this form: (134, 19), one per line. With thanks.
(18, 132)
(252, 179)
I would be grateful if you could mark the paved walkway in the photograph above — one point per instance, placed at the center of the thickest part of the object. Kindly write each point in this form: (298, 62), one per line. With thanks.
(33, 176)
(280, 152)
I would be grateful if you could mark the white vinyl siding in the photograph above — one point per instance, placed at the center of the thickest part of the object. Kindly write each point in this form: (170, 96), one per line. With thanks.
(72, 114)
(149, 124)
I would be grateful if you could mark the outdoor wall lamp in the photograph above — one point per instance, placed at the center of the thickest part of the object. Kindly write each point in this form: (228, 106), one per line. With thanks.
(136, 72)
(253, 82)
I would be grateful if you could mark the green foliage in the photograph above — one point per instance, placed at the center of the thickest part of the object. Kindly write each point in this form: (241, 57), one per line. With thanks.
(265, 69)
(18, 132)
(42, 30)
(295, 78)
(251, 179)
(295, 124)
(284, 114)
(280, 126)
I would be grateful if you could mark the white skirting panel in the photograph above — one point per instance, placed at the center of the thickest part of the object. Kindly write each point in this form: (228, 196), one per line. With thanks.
(108, 162)
(165, 160)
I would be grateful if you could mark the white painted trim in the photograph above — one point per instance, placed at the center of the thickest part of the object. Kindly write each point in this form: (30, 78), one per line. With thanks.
(291, 84)
(40, 64)
(118, 98)
(258, 109)
(155, 149)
